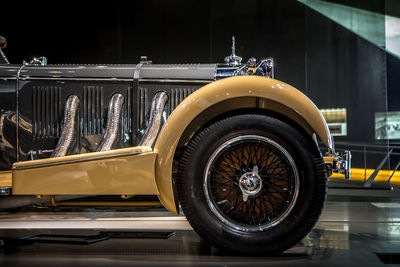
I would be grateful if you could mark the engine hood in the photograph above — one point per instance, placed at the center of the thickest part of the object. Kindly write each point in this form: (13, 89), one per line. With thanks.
(146, 71)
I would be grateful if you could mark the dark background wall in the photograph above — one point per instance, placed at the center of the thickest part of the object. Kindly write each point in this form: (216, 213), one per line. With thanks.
(165, 31)
(333, 66)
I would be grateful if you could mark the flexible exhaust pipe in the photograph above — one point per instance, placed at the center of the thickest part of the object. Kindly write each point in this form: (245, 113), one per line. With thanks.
(157, 108)
(68, 132)
(113, 122)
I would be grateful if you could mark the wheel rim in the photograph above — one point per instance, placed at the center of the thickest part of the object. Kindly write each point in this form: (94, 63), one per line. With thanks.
(251, 183)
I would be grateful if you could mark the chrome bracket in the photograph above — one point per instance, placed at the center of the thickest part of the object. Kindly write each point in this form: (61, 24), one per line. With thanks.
(341, 164)
(5, 190)
(34, 154)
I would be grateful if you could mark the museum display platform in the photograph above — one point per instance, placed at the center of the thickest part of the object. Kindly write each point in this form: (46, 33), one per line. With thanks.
(362, 229)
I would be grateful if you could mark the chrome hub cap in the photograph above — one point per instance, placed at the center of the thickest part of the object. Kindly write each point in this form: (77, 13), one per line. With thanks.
(250, 183)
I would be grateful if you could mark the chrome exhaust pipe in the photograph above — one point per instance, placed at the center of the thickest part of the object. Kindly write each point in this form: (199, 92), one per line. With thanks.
(113, 122)
(68, 131)
(157, 108)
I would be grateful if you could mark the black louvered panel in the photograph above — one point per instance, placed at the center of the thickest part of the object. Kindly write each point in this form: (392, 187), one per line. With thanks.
(177, 96)
(46, 112)
(142, 107)
(92, 119)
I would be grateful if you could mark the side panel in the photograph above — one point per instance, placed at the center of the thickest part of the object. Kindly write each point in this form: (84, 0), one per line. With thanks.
(210, 95)
(126, 171)
(5, 179)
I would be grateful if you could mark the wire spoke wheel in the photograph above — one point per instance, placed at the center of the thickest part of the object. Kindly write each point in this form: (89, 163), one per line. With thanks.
(251, 183)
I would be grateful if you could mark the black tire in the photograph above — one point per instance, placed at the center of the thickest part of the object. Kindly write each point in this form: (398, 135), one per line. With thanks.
(285, 192)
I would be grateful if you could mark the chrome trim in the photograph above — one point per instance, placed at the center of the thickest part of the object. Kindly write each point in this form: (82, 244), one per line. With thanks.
(264, 68)
(68, 133)
(116, 79)
(174, 81)
(341, 164)
(157, 109)
(113, 122)
(41, 61)
(33, 153)
(206, 183)
(5, 190)
(67, 161)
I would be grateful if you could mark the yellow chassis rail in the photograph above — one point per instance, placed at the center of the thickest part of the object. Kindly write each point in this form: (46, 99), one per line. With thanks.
(359, 174)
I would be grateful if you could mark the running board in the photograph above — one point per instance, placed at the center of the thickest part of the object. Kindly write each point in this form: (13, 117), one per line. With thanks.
(125, 171)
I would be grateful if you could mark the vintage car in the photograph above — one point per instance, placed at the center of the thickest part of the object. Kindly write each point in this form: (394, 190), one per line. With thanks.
(236, 149)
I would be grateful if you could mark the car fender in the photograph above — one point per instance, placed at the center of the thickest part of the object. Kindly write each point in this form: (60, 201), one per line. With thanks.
(263, 90)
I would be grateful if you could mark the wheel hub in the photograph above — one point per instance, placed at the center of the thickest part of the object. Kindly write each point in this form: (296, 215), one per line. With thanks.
(250, 183)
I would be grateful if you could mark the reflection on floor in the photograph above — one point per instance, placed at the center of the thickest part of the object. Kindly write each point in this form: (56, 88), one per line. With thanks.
(349, 232)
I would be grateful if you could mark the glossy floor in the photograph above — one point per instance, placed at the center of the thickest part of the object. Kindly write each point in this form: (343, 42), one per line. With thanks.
(350, 232)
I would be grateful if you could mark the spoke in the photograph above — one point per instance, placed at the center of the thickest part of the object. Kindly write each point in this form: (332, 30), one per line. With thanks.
(275, 163)
(224, 201)
(225, 162)
(256, 149)
(250, 159)
(229, 161)
(268, 155)
(240, 204)
(275, 177)
(253, 211)
(223, 187)
(262, 209)
(276, 188)
(273, 202)
(226, 177)
(237, 154)
(243, 156)
(216, 181)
